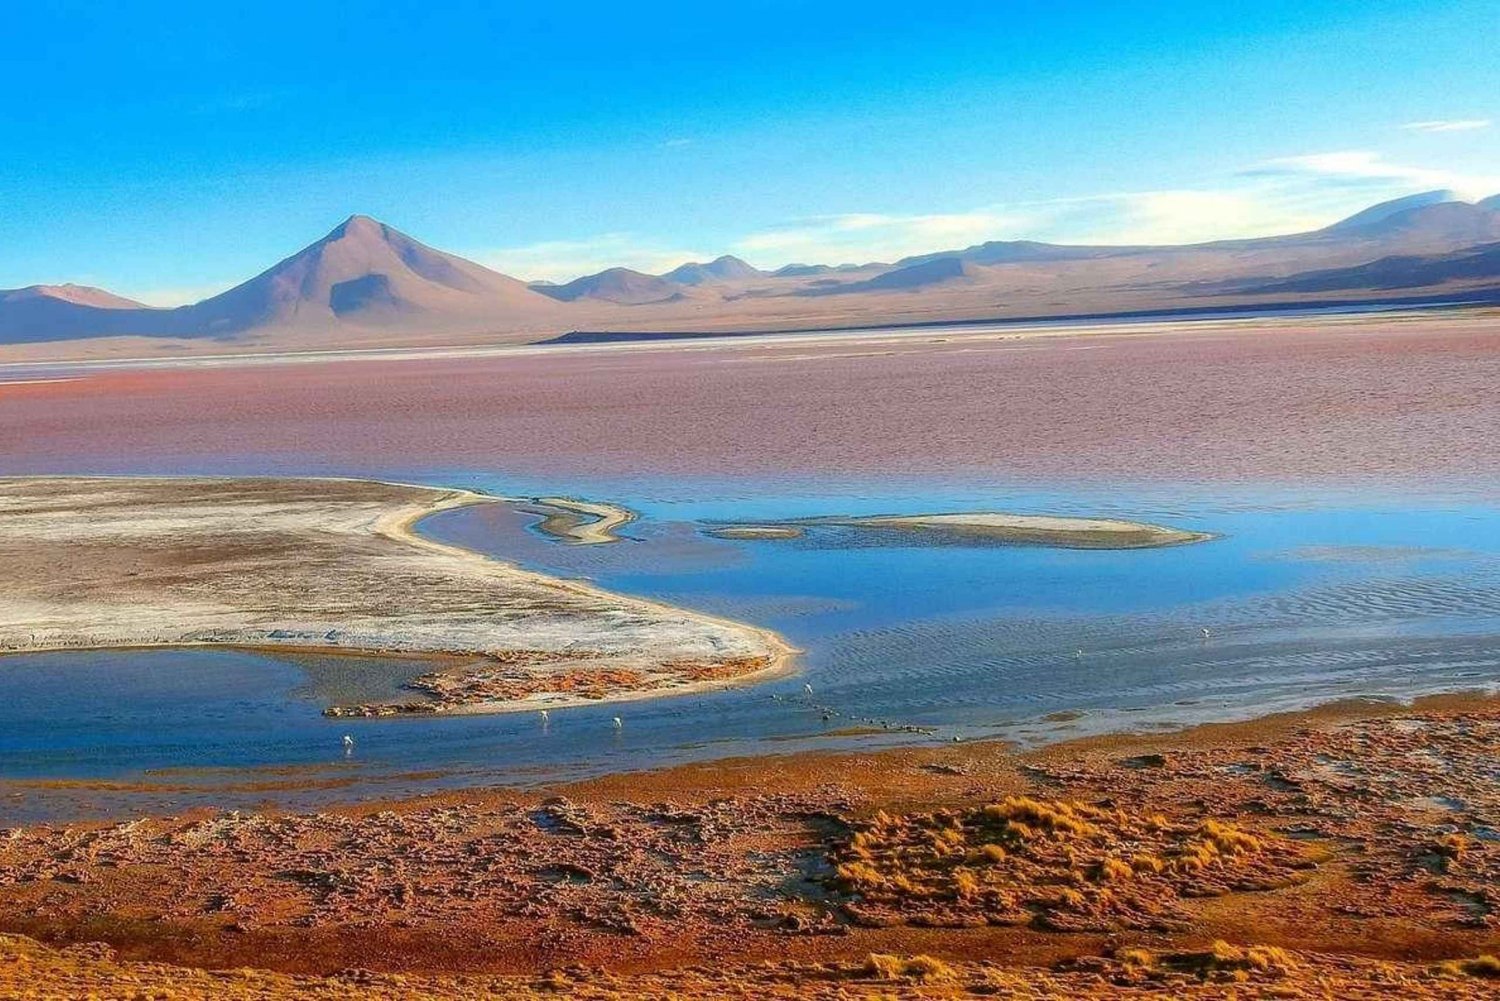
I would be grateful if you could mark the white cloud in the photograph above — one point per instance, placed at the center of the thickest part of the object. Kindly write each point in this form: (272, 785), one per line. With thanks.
(1367, 168)
(867, 236)
(1145, 217)
(1284, 195)
(1449, 125)
(181, 296)
(676, 143)
(1171, 216)
(564, 260)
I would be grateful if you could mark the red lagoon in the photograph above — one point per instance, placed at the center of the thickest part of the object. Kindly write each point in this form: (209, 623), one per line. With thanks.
(1388, 400)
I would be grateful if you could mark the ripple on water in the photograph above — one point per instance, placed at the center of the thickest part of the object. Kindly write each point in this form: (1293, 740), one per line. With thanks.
(1301, 603)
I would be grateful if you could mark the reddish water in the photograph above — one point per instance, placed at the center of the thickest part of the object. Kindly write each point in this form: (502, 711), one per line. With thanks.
(1390, 401)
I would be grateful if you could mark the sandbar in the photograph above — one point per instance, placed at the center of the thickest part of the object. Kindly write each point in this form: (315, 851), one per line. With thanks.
(582, 523)
(756, 531)
(333, 564)
(981, 527)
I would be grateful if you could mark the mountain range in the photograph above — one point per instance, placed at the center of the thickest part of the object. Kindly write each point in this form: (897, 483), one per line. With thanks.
(368, 284)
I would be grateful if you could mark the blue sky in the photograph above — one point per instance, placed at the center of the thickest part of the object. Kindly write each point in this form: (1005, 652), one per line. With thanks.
(169, 150)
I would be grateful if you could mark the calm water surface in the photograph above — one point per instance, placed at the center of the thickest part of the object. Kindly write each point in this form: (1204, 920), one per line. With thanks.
(1306, 600)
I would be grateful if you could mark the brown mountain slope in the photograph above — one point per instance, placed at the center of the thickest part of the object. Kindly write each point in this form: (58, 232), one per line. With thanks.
(366, 284)
(618, 285)
(362, 279)
(54, 312)
(367, 274)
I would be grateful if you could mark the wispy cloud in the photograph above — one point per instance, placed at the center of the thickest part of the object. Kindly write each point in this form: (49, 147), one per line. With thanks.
(1284, 195)
(181, 296)
(1449, 125)
(1141, 217)
(1366, 168)
(862, 237)
(563, 260)
(676, 143)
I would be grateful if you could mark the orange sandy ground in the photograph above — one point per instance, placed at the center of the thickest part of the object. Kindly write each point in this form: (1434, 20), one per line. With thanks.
(1349, 852)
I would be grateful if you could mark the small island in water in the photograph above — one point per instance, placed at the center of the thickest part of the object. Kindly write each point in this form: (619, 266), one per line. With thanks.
(978, 528)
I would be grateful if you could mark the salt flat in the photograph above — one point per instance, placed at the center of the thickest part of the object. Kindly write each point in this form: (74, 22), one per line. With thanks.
(331, 564)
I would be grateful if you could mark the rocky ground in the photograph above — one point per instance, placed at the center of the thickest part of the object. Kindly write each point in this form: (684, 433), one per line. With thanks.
(30, 970)
(1346, 853)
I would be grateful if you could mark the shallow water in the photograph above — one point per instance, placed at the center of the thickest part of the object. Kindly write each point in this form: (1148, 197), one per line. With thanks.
(1306, 599)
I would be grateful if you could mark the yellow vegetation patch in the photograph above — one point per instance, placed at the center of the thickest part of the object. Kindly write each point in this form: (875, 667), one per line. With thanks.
(884, 966)
(1480, 966)
(1055, 863)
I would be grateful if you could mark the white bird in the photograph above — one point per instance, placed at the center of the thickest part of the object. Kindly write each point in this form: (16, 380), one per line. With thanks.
(1205, 632)
(619, 723)
(348, 743)
(544, 716)
(807, 688)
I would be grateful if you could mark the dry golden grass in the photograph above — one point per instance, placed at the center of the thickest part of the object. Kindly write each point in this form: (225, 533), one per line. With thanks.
(884, 966)
(30, 971)
(1486, 966)
(1054, 863)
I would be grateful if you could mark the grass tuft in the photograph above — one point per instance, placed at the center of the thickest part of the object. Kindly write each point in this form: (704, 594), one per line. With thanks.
(1485, 966)
(885, 966)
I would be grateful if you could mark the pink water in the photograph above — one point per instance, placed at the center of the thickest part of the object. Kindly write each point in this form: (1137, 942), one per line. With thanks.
(1388, 401)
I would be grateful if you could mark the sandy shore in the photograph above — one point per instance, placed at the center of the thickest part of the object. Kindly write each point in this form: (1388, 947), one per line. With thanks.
(1342, 852)
(334, 565)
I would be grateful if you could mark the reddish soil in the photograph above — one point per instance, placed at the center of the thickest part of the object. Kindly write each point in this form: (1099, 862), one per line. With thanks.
(1350, 847)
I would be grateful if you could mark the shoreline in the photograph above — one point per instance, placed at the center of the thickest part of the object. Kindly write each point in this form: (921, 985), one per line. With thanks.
(734, 863)
(1020, 329)
(517, 631)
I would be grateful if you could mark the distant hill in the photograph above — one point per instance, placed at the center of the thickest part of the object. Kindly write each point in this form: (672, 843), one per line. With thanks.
(367, 283)
(618, 285)
(368, 274)
(1021, 251)
(1475, 264)
(363, 274)
(1452, 223)
(721, 269)
(1379, 213)
(801, 270)
(912, 277)
(58, 312)
(78, 295)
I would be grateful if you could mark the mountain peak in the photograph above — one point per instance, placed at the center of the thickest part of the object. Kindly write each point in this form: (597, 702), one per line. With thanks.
(1383, 211)
(360, 226)
(366, 273)
(618, 285)
(78, 295)
(726, 268)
